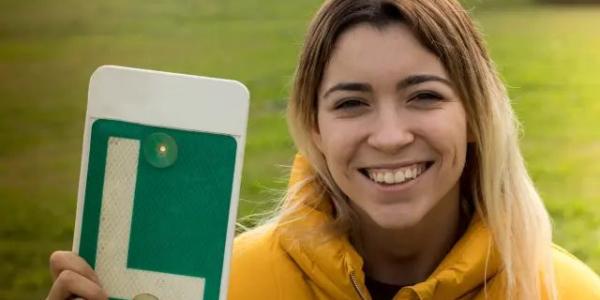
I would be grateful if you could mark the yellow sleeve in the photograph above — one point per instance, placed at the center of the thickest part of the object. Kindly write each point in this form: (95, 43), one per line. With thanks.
(574, 279)
(260, 269)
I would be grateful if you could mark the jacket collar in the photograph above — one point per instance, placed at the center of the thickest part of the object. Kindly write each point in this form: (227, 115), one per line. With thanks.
(332, 263)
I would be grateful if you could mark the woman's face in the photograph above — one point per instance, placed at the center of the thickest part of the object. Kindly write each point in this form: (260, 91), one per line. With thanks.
(390, 126)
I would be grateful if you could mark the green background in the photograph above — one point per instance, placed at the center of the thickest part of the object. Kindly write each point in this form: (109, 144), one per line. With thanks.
(549, 56)
(180, 213)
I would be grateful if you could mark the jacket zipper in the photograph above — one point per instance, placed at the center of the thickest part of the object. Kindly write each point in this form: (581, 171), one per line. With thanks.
(356, 286)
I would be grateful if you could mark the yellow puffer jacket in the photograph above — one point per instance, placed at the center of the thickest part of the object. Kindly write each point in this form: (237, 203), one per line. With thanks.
(269, 262)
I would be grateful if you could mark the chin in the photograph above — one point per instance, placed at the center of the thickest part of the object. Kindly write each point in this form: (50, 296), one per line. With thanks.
(397, 217)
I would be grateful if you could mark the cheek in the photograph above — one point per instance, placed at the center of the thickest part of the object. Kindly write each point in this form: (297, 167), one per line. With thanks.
(340, 141)
(334, 146)
(336, 135)
(326, 141)
(458, 133)
(446, 132)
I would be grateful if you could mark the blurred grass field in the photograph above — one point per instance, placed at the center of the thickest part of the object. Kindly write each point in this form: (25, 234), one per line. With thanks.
(549, 56)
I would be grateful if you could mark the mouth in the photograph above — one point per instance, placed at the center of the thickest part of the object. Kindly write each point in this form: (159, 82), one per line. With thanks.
(396, 176)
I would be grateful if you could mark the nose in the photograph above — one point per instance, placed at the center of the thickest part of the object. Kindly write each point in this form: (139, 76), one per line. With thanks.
(390, 132)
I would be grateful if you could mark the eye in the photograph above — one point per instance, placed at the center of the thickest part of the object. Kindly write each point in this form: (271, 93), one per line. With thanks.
(428, 96)
(349, 104)
(426, 99)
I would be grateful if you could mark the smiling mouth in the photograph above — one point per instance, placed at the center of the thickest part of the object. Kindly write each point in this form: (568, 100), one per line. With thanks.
(397, 175)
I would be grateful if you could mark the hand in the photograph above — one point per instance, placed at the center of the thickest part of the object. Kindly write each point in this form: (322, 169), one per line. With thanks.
(73, 277)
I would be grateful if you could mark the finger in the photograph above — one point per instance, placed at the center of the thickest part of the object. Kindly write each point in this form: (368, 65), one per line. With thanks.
(67, 260)
(69, 284)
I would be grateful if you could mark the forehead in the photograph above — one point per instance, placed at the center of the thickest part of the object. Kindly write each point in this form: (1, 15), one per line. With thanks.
(365, 52)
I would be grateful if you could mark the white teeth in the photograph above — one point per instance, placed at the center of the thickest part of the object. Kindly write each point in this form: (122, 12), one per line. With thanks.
(399, 176)
(389, 176)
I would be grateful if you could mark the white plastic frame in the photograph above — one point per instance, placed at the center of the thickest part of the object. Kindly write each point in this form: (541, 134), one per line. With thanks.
(169, 100)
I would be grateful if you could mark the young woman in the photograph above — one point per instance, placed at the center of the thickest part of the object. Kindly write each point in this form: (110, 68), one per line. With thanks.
(409, 183)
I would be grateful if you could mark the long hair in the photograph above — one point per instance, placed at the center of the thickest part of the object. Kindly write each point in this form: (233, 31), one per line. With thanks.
(495, 179)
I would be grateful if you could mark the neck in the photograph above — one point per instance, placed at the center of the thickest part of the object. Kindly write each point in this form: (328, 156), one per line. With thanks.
(408, 255)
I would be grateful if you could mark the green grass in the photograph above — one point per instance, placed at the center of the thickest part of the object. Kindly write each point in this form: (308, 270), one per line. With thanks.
(549, 56)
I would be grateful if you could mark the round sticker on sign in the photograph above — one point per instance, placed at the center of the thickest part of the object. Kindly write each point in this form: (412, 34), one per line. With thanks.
(145, 297)
(160, 150)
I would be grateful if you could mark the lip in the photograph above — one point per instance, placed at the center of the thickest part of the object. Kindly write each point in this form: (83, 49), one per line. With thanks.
(397, 188)
(398, 165)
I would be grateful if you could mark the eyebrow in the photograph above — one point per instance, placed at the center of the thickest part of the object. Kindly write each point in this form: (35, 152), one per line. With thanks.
(404, 83)
(418, 79)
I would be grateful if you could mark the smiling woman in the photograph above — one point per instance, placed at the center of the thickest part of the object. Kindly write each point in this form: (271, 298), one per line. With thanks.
(409, 182)
(396, 148)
